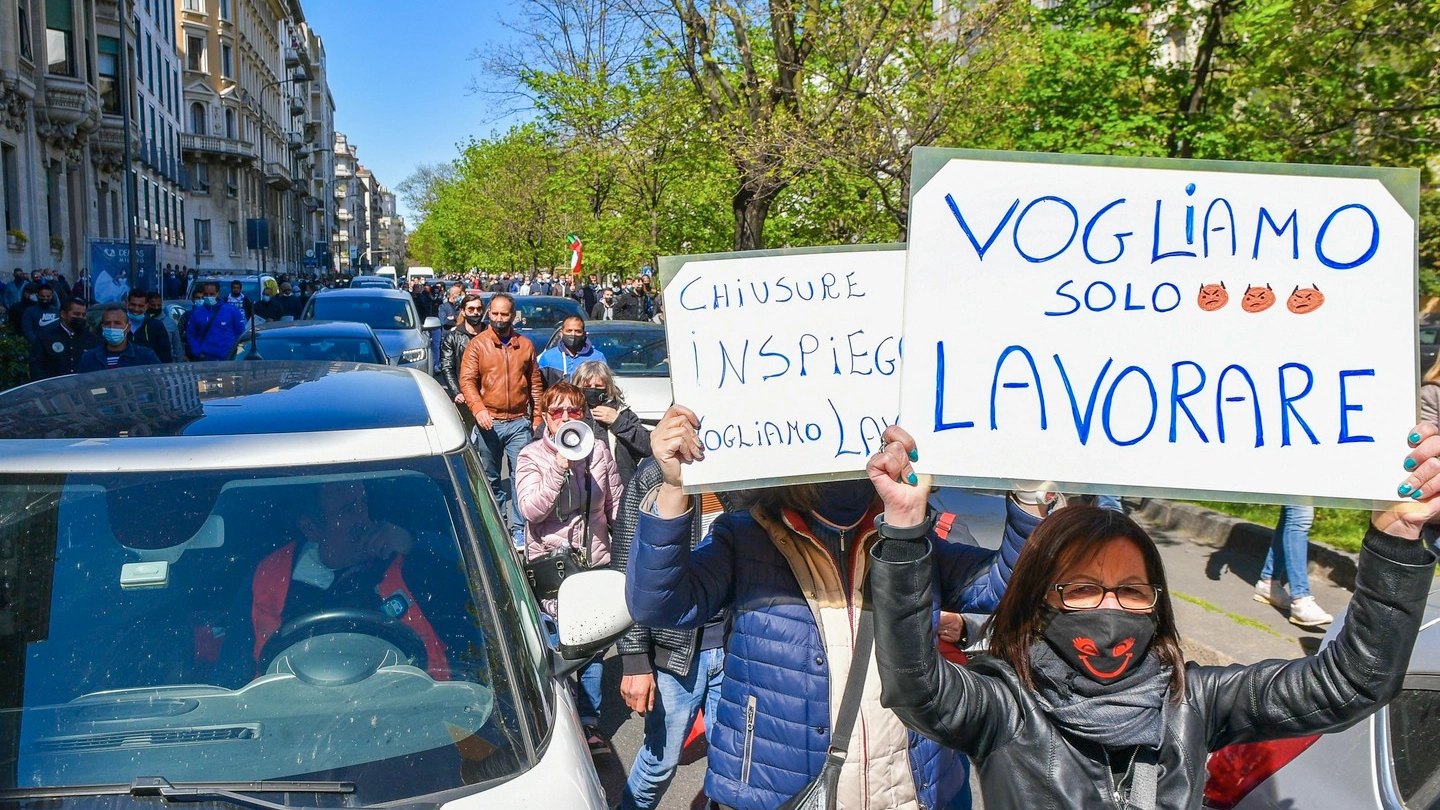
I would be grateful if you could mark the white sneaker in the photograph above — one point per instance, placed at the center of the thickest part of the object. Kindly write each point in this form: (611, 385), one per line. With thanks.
(1306, 613)
(1270, 592)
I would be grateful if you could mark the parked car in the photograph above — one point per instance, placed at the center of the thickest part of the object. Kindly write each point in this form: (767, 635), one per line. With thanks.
(638, 356)
(1389, 761)
(391, 313)
(345, 341)
(1428, 337)
(142, 517)
(250, 284)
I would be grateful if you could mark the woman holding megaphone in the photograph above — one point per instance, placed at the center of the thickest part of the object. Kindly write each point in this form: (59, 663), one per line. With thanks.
(568, 490)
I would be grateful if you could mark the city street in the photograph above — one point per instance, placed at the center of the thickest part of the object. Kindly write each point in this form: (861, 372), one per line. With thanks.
(1211, 588)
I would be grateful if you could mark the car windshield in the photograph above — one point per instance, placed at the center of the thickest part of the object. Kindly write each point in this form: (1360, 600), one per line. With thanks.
(376, 312)
(250, 286)
(544, 314)
(347, 349)
(314, 623)
(635, 353)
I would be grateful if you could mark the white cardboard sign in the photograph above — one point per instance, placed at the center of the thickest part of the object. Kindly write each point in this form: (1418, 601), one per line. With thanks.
(791, 360)
(1182, 331)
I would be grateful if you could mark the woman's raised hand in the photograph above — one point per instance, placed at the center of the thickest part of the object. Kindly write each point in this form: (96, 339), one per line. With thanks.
(890, 471)
(1420, 506)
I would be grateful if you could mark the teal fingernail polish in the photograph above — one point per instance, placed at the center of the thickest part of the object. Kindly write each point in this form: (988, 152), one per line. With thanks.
(1414, 438)
(912, 479)
(1405, 489)
(1410, 464)
(1416, 494)
(914, 455)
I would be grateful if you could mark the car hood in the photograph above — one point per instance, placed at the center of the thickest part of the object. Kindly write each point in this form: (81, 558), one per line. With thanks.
(648, 397)
(396, 341)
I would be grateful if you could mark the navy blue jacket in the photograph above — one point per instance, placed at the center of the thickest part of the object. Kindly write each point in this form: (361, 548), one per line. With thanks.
(775, 663)
(133, 355)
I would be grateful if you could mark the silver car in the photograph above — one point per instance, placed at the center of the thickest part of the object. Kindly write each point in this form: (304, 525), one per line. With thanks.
(274, 585)
(1389, 761)
(391, 313)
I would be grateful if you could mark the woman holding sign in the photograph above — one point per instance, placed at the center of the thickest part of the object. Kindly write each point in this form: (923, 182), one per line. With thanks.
(1084, 700)
(791, 572)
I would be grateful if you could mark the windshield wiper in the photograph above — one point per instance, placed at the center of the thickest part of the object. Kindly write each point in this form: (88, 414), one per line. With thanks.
(187, 791)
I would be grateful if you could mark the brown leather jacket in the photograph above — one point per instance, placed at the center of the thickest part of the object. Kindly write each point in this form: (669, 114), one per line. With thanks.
(502, 378)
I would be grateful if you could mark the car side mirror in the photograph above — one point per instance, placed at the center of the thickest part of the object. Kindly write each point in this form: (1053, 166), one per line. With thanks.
(430, 324)
(592, 616)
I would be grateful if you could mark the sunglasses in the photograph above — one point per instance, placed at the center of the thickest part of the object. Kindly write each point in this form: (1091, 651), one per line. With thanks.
(575, 413)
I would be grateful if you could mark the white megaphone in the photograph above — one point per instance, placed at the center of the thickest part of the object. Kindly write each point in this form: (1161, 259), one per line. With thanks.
(574, 439)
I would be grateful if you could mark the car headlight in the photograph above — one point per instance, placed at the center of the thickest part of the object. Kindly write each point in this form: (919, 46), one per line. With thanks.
(412, 356)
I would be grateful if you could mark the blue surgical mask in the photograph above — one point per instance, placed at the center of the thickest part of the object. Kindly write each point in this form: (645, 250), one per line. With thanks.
(135, 320)
(210, 300)
(113, 336)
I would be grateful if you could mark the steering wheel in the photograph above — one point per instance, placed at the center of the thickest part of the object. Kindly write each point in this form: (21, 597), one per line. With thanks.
(359, 621)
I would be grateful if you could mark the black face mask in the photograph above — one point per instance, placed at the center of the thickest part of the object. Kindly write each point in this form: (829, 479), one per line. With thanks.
(1104, 645)
(573, 342)
(475, 320)
(843, 503)
(594, 396)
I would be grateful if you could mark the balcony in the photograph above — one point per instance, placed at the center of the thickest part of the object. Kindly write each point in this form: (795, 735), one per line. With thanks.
(343, 214)
(277, 176)
(297, 107)
(342, 170)
(214, 146)
(342, 236)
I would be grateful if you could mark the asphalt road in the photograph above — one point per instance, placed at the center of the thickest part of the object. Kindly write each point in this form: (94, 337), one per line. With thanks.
(1211, 588)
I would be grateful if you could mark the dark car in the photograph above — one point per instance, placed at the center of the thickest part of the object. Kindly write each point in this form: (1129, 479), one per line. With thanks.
(314, 340)
(537, 316)
(1429, 339)
(637, 354)
(391, 313)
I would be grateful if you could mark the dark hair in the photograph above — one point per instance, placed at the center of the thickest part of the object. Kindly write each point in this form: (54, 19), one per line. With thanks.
(77, 301)
(135, 293)
(154, 295)
(470, 297)
(1068, 535)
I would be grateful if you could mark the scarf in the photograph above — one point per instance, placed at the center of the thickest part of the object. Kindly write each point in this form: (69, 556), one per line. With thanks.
(1126, 713)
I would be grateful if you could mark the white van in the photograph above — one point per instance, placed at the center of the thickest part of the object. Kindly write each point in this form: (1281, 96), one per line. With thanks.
(387, 271)
(425, 274)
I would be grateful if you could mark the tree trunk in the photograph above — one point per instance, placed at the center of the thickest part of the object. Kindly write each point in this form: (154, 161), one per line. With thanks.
(751, 209)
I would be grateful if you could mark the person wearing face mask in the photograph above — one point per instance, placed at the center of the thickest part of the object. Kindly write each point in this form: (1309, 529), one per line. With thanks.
(560, 361)
(14, 289)
(117, 349)
(471, 312)
(792, 569)
(604, 309)
(58, 349)
(289, 302)
(1084, 699)
(213, 327)
(155, 308)
(613, 421)
(144, 330)
(44, 310)
(267, 308)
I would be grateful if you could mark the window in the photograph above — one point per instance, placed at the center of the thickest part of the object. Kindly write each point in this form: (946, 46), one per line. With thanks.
(230, 125)
(1412, 729)
(232, 181)
(109, 63)
(24, 15)
(195, 54)
(197, 118)
(197, 6)
(227, 60)
(235, 243)
(225, 10)
(60, 37)
(10, 187)
(202, 178)
(202, 236)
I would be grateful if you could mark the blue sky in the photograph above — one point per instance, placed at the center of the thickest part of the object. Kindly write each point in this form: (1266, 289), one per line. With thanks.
(399, 73)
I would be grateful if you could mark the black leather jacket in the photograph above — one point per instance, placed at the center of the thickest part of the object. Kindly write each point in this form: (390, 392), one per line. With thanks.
(1027, 761)
(452, 348)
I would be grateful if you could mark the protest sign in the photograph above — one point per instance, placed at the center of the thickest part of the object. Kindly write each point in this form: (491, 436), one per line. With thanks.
(789, 358)
(1239, 331)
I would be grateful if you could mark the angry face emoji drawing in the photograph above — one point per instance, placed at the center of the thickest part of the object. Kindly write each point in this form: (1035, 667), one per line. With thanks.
(1213, 297)
(1257, 299)
(1305, 299)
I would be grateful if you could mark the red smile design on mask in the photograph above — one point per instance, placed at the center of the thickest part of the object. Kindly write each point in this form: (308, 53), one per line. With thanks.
(1087, 648)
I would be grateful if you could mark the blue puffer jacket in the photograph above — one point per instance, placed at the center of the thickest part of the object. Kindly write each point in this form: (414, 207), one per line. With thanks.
(777, 680)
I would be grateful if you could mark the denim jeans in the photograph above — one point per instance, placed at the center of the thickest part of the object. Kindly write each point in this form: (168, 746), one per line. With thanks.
(508, 437)
(668, 724)
(1290, 543)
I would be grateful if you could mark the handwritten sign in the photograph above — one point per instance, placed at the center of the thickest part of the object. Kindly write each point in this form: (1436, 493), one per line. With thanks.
(790, 359)
(1182, 328)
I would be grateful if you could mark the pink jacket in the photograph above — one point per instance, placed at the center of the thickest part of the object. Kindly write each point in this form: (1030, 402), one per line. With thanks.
(540, 485)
